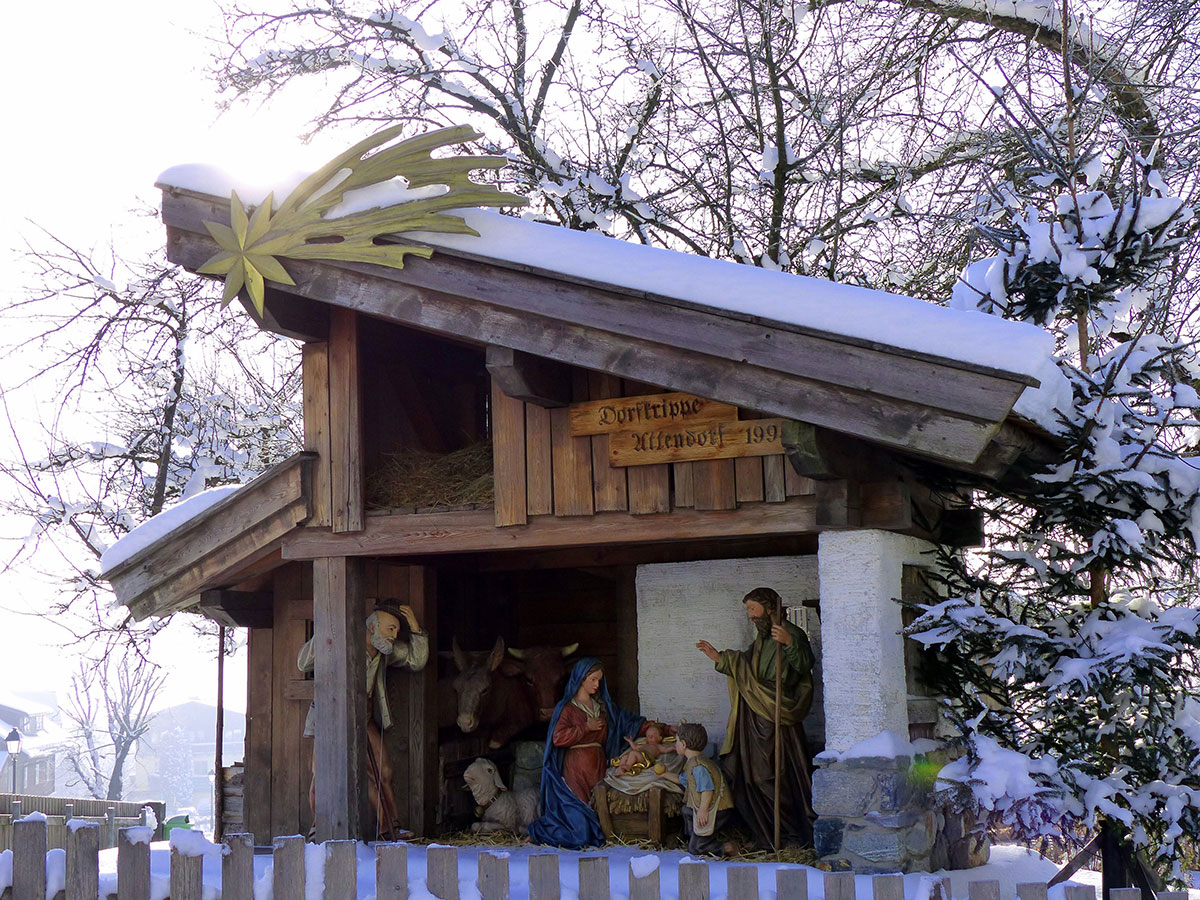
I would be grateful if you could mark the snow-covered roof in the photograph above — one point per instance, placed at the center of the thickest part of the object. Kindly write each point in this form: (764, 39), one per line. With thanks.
(159, 526)
(826, 306)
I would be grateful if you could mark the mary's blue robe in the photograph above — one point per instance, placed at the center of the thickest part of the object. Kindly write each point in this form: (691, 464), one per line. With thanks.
(567, 821)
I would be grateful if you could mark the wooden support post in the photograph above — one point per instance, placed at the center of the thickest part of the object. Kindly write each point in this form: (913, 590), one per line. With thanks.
(424, 786)
(237, 868)
(341, 869)
(315, 368)
(492, 879)
(29, 860)
(187, 876)
(646, 886)
(133, 868)
(544, 881)
(593, 878)
(83, 862)
(441, 868)
(391, 872)
(655, 804)
(508, 458)
(790, 884)
(693, 881)
(340, 750)
(345, 422)
(742, 881)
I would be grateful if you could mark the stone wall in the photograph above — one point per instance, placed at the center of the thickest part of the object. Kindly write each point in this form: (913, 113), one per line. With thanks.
(876, 814)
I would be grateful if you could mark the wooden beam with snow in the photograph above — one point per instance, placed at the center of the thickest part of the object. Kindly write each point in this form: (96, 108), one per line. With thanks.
(213, 549)
(939, 408)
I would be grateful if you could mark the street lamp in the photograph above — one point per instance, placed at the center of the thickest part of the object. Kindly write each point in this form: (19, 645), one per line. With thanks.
(14, 749)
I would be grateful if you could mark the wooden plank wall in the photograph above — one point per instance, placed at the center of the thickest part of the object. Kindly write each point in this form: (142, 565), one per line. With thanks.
(540, 469)
(291, 757)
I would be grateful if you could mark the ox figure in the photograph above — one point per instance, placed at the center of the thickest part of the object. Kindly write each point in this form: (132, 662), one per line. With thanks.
(504, 696)
(499, 808)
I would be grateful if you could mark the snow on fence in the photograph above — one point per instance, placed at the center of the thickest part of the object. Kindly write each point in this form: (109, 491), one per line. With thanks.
(35, 877)
(110, 815)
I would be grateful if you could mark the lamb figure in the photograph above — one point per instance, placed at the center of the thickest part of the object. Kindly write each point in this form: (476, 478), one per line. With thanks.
(500, 808)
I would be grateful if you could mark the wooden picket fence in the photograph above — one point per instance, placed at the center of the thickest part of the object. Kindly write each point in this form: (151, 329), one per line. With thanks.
(391, 874)
(110, 816)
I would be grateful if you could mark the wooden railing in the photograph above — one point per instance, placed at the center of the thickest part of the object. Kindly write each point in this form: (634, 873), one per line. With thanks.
(82, 879)
(110, 815)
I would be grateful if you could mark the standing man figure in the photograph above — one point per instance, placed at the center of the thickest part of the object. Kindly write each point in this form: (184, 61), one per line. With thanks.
(385, 648)
(748, 753)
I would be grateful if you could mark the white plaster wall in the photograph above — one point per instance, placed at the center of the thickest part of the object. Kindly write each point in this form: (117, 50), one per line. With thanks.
(680, 603)
(863, 671)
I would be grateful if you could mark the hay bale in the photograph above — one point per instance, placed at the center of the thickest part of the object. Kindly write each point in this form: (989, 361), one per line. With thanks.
(418, 479)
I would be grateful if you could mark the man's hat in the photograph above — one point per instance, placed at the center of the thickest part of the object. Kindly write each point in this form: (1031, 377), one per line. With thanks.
(391, 606)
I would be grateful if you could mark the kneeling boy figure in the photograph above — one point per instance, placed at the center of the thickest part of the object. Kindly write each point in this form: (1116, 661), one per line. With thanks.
(707, 804)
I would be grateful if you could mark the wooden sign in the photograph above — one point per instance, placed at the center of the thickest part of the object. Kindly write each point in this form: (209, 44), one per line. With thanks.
(714, 440)
(653, 411)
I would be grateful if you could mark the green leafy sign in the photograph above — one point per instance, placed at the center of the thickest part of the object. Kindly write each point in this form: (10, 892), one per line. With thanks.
(253, 243)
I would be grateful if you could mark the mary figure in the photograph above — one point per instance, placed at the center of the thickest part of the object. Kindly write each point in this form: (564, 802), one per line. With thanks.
(586, 730)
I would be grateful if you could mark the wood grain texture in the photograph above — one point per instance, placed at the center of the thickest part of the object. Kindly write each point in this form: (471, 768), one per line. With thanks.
(572, 462)
(187, 876)
(228, 538)
(791, 884)
(887, 887)
(424, 783)
(256, 788)
(614, 413)
(341, 869)
(702, 359)
(28, 860)
(714, 484)
(288, 878)
(83, 862)
(742, 881)
(684, 484)
(133, 869)
(237, 868)
(593, 878)
(340, 751)
(544, 882)
(648, 886)
(774, 479)
(345, 422)
(492, 879)
(1036, 890)
(748, 476)
(508, 458)
(315, 369)
(441, 867)
(391, 872)
(532, 379)
(289, 632)
(839, 886)
(461, 532)
(988, 890)
(693, 881)
(611, 484)
(539, 482)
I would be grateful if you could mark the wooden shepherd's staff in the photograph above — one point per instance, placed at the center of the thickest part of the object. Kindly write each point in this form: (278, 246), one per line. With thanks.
(778, 737)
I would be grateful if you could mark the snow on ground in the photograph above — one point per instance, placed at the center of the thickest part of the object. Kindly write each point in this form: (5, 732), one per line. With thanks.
(170, 519)
(1010, 865)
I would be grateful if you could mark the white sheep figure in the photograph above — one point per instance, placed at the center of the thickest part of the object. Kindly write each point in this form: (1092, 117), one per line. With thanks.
(501, 809)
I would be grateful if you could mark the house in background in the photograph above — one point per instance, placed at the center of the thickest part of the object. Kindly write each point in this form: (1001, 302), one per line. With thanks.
(32, 770)
(175, 758)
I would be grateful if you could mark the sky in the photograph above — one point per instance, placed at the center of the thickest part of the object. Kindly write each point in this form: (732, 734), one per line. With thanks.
(98, 101)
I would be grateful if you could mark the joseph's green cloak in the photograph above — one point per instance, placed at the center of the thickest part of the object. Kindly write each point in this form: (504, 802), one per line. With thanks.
(751, 675)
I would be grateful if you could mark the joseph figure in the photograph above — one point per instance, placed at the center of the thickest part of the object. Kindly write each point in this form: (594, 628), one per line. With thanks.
(394, 638)
(748, 753)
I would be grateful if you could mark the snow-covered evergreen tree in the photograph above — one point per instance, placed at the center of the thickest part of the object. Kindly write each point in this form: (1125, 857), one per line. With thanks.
(1070, 644)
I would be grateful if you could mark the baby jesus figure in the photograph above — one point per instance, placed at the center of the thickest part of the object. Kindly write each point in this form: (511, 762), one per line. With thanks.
(644, 752)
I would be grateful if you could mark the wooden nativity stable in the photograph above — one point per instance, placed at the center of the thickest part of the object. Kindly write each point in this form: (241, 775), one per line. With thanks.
(660, 443)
